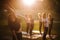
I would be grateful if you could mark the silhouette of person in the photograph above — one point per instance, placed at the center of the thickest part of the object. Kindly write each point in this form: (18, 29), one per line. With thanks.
(14, 25)
(40, 22)
(50, 24)
(27, 18)
(45, 24)
(30, 24)
(18, 28)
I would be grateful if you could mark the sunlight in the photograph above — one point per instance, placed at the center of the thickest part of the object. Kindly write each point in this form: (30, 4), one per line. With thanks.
(28, 2)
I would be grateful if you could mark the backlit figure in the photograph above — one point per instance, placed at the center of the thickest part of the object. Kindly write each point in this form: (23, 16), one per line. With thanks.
(45, 24)
(40, 22)
(30, 24)
(50, 24)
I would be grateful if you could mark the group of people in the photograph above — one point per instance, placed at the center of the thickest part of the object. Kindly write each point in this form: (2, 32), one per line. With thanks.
(45, 20)
(30, 24)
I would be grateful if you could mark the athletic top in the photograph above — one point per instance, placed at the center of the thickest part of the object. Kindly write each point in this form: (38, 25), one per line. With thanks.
(46, 22)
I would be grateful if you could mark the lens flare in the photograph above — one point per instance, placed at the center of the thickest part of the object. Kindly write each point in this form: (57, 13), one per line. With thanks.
(28, 2)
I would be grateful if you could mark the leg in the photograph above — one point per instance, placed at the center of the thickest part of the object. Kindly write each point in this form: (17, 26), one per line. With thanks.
(19, 36)
(27, 27)
(40, 26)
(45, 33)
(32, 25)
(50, 28)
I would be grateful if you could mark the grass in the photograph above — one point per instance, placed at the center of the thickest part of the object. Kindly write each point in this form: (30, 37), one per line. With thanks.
(36, 26)
(55, 29)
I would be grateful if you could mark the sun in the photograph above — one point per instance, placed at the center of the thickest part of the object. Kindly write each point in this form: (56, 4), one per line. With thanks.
(28, 2)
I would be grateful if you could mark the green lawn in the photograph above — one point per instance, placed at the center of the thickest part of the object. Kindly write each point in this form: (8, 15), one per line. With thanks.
(36, 26)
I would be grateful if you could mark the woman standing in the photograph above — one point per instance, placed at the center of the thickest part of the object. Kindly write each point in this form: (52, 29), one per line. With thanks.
(45, 24)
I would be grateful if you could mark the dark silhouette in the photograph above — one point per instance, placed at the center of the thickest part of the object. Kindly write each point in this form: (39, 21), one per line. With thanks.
(46, 25)
(40, 22)
(50, 25)
(30, 24)
(14, 25)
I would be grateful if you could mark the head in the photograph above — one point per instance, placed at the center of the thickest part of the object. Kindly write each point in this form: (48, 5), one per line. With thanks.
(44, 15)
(39, 14)
(11, 17)
(49, 16)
